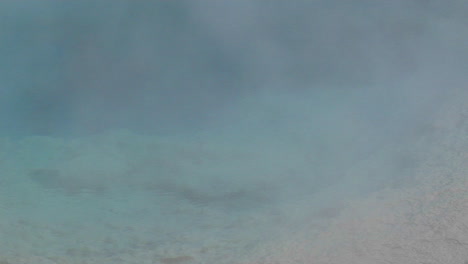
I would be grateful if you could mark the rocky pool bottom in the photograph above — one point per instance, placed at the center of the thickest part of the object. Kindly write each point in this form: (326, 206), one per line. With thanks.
(123, 198)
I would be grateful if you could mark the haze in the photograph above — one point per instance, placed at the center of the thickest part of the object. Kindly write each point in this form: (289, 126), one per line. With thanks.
(331, 98)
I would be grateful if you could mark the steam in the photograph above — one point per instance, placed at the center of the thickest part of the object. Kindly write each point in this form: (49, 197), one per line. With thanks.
(344, 79)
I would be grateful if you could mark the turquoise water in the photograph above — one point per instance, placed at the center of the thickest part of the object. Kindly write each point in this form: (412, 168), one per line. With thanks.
(123, 198)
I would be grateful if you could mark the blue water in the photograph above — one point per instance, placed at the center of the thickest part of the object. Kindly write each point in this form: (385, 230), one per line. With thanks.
(115, 197)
